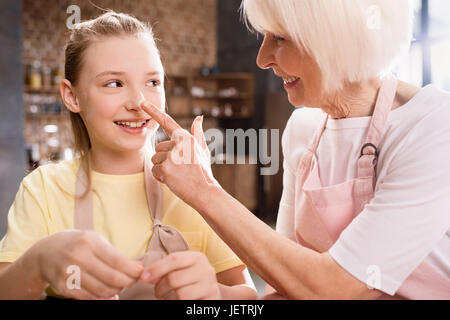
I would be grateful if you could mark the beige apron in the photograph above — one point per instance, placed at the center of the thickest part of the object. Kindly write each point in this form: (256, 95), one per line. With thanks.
(165, 239)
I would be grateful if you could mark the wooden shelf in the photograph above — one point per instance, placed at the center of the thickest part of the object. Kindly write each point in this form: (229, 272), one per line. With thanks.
(181, 100)
(175, 116)
(241, 96)
(53, 90)
(226, 75)
(45, 114)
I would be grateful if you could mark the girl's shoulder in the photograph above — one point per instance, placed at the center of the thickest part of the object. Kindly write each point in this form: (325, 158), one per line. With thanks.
(53, 173)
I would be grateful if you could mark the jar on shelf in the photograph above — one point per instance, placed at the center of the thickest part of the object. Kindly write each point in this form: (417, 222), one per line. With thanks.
(215, 112)
(35, 76)
(58, 75)
(46, 77)
(196, 111)
(178, 91)
(228, 110)
(244, 111)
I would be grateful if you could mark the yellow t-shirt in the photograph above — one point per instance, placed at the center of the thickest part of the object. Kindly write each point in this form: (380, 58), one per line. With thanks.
(45, 202)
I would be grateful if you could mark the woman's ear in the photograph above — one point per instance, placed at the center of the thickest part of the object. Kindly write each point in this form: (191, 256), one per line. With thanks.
(68, 96)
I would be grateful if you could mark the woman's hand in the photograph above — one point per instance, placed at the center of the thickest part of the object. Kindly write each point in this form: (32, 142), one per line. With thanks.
(183, 163)
(184, 275)
(104, 271)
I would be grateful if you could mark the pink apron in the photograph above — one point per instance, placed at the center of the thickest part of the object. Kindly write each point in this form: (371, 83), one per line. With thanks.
(323, 212)
(165, 239)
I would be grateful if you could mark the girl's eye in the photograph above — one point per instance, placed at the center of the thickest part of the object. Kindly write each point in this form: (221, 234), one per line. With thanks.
(114, 84)
(153, 83)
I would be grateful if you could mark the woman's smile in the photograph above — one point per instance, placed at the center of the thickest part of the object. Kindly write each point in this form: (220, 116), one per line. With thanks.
(290, 82)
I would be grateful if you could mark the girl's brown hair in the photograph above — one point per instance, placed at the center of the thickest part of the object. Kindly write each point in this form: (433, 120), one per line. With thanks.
(109, 24)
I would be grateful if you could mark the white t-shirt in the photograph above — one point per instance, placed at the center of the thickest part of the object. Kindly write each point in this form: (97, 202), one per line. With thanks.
(408, 220)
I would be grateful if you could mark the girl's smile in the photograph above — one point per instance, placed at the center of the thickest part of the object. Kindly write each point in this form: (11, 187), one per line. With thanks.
(132, 126)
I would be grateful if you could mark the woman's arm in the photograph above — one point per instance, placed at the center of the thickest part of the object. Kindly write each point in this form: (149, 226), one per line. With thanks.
(291, 269)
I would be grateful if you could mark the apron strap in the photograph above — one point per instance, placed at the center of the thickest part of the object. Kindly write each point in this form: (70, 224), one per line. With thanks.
(369, 151)
(164, 239)
(314, 143)
(83, 218)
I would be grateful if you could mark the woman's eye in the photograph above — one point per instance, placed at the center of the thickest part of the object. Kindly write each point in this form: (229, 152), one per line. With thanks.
(114, 84)
(153, 83)
(278, 38)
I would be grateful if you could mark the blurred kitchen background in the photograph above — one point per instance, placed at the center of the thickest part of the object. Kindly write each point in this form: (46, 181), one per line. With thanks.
(210, 61)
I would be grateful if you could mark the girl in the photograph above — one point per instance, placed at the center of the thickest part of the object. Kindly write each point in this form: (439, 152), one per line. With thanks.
(112, 66)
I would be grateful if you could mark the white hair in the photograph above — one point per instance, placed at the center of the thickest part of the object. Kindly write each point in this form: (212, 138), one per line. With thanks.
(350, 40)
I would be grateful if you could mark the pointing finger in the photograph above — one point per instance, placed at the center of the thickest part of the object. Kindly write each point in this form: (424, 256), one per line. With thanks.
(165, 121)
(197, 131)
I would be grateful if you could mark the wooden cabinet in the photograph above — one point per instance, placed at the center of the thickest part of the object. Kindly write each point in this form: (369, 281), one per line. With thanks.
(224, 95)
(239, 180)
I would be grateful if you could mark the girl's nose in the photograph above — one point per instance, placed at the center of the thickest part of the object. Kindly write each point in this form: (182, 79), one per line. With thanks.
(135, 102)
(265, 58)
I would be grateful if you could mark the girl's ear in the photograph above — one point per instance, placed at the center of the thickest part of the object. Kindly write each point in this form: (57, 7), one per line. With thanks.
(68, 96)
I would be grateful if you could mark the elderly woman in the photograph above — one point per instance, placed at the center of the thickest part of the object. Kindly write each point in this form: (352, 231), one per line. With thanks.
(365, 210)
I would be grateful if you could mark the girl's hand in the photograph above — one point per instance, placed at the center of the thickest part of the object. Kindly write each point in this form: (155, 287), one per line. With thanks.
(103, 270)
(184, 275)
(183, 163)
